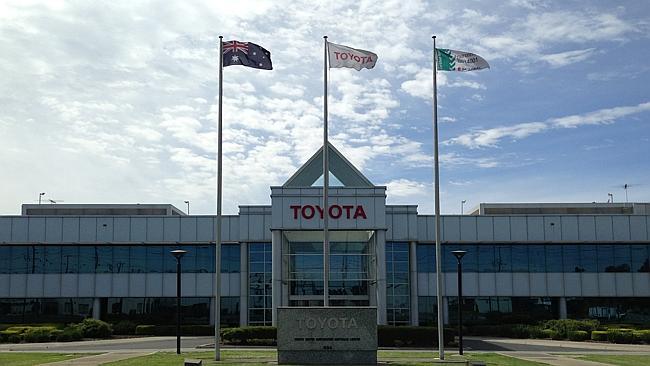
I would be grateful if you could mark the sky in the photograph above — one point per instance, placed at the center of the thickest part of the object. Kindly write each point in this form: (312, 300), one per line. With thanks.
(117, 102)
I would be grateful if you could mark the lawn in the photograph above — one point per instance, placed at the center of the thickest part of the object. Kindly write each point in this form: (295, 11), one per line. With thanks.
(29, 359)
(263, 357)
(622, 360)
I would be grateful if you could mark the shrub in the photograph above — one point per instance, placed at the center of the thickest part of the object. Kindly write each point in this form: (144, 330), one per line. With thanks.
(93, 328)
(124, 327)
(14, 338)
(537, 332)
(578, 335)
(39, 334)
(70, 334)
(599, 335)
(392, 336)
(249, 335)
(620, 336)
(564, 326)
(642, 336)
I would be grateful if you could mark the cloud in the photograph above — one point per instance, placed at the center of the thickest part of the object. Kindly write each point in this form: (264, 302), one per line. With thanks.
(401, 188)
(568, 57)
(492, 136)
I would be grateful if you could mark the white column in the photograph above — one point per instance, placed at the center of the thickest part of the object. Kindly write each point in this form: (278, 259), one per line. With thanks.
(243, 284)
(276, 276)
(563, 311)
(413, 282)
(380, 252)
(97, 308)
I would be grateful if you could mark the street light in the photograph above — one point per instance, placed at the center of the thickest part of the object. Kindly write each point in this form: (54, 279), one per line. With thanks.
(40, 195)
(178, 254)
(459, 256)
(462, 204)
(611, 197)
(188, 206)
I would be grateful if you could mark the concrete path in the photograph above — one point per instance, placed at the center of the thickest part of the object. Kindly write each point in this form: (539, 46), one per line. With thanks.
(97, 360)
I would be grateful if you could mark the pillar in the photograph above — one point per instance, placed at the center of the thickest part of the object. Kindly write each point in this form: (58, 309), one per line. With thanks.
(97, 308)
(380, 252)
(276, 276)
(243, 284)
(413, 282)
(563, 311)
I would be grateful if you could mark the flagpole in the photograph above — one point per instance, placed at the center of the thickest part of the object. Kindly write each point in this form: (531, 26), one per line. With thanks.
(441, 343)
(326, 264)
(217, 265)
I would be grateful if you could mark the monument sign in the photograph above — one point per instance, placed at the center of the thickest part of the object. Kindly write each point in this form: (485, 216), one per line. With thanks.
(332, 335)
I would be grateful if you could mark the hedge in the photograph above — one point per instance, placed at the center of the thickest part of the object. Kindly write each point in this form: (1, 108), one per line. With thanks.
(249, 335)
(396, 336)
(599, 335)
(578, 335)
(620, 336)
(124, 327)
(170, 330)
(642, 336)
(70, 334)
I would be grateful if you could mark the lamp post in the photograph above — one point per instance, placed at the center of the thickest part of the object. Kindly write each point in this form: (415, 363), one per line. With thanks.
(188, 206)
(462, 206)
(40, 196)
(459, 256)
(178, 254)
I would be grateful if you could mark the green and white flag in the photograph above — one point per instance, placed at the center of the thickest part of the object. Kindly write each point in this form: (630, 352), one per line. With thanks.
(452, 60)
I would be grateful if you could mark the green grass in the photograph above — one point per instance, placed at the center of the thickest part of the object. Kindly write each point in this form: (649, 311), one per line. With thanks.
(622, 360)
(263, 357)
(29, 359)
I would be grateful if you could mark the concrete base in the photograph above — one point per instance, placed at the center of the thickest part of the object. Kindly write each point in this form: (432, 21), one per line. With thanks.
(327, 357)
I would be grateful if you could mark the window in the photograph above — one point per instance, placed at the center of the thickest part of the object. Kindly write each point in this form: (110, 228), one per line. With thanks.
(230, 311)
(554, 258)
(259, 282)
(486, 259)
(519, 257)
(154, 259)
(605, 258)
(622, 258)
(536, 258)
(571, 258)
(230, 258)
(426, 258)
(397, 283)
(640, 258)
(427, 311)
(588, 256)
(70, 259)
(502, 258)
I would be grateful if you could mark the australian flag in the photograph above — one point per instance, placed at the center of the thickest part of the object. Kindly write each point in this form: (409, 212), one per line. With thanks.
(246, 54)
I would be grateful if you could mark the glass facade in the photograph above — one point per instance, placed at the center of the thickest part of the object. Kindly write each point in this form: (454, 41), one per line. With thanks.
(617, 310)
(499, 309)
(397, 283)
(156, 310)
(54, 310)
(349, 273)
(229, 311)
(25, 259)
(539, 257)
(427, 311)
(259, 284)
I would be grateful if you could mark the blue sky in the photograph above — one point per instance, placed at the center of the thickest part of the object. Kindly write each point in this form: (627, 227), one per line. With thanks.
(116, 102)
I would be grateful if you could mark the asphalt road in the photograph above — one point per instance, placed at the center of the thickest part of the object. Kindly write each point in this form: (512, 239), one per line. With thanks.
(471, 344)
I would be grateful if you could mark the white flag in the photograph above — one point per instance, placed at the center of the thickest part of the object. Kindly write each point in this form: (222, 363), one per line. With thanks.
(452, 60)
(344, 56)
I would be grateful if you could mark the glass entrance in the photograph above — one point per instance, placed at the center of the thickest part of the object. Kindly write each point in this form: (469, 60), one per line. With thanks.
(351, 259)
